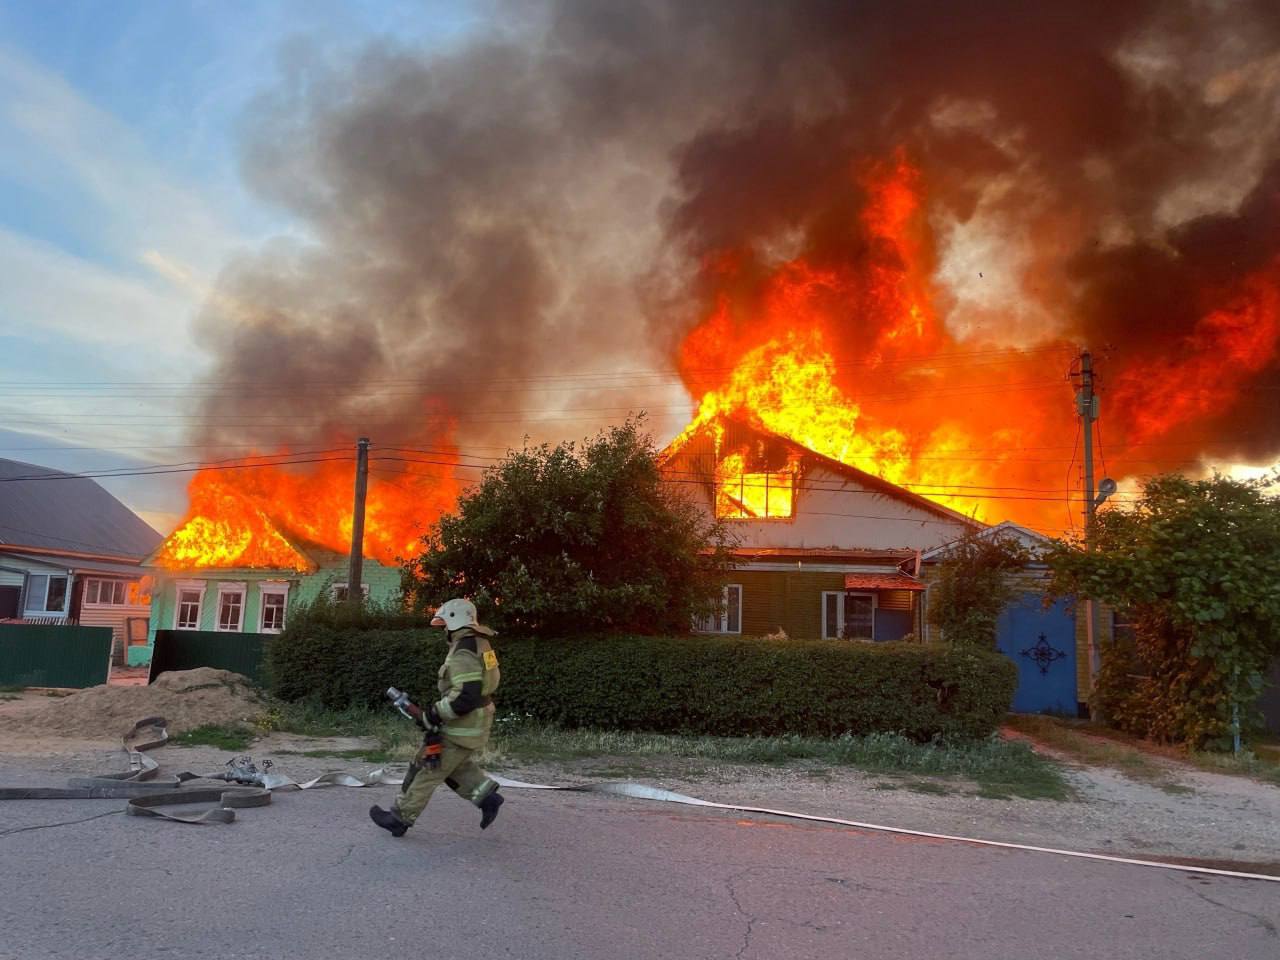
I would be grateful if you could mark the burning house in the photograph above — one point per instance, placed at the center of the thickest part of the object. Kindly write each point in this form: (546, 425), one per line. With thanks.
(824, 549)
(249, 550)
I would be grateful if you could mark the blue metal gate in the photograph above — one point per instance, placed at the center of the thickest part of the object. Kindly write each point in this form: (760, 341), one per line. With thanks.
(1042, 642)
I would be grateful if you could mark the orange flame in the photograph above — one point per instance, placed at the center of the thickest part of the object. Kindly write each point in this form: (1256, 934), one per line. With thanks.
(845, 354)
(1227, 346)
(836, 356)
(268, 516)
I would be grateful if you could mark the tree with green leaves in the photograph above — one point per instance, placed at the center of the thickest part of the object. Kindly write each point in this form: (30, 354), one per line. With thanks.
(576, 538)
(975, 582)
(1196, 563)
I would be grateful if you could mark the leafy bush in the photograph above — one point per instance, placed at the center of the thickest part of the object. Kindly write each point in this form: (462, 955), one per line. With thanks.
(575, 538)
(687, 685)
(1196, 562)
(975, 583)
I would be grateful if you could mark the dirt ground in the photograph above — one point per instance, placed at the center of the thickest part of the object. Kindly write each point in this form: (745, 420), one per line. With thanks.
(1213, 817)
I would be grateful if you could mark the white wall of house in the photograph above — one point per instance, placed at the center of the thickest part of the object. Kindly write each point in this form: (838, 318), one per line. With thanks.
(833, 510)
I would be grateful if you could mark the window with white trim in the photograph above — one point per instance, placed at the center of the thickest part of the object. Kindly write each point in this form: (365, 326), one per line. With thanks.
(45, 594)
(847, 615)
(230, 608)
(187, 605)
(338, 592)
(727, 618)
(113, 593)
(275, 600)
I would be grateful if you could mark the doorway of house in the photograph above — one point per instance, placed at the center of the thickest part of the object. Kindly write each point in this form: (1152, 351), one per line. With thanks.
(9, 597)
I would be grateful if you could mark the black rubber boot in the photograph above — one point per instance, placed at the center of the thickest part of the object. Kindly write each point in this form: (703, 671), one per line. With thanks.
(388, 820)
(489, 809)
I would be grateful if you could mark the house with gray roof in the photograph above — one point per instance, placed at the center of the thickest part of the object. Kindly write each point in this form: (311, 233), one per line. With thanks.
(70, 552)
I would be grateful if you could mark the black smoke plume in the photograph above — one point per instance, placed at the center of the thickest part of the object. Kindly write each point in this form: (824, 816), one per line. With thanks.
(484, 227)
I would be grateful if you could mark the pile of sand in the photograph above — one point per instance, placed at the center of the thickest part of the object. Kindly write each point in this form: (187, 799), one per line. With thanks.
(185, 698)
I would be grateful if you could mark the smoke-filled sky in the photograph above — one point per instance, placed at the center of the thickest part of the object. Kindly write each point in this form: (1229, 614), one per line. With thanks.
(508, 227)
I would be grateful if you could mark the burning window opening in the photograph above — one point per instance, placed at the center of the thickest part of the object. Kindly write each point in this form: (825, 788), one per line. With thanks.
(754, 495)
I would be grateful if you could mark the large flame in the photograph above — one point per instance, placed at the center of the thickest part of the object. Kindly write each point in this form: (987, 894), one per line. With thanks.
(821, 336)
(267, 516)
(846, 355)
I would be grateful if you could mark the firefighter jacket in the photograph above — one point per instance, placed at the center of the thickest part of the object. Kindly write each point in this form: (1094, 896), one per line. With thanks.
(468, 678)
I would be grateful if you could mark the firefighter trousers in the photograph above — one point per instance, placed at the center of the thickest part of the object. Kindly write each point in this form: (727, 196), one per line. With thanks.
(458, 770)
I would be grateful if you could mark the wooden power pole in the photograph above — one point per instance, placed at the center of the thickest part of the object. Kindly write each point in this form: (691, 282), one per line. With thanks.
(1087, 405)
(355, 576)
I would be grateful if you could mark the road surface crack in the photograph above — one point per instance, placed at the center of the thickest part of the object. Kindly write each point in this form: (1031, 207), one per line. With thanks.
(1256, 918)
(346, 856)
(751, 920)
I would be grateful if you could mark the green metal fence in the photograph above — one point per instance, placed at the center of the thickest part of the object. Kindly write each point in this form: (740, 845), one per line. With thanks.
(40, 656)
(188, 649)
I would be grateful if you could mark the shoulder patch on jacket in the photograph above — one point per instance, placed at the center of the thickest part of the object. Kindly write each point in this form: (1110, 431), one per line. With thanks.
(490, 659)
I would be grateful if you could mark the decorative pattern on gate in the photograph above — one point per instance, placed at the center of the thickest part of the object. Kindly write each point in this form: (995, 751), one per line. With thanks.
(1044, 654)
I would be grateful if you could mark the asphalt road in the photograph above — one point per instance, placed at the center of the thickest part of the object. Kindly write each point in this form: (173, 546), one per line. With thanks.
(563, 876)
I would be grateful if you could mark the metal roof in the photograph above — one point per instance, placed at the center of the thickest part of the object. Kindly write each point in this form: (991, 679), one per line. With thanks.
(881, 581)
(59, 511)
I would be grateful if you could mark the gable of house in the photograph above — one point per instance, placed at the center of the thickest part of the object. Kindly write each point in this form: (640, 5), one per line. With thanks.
(775, 493)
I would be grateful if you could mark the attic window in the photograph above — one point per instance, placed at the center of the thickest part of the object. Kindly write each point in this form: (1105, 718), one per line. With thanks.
(756, 496)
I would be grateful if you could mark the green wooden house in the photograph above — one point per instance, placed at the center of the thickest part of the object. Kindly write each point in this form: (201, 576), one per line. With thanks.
(242, 599)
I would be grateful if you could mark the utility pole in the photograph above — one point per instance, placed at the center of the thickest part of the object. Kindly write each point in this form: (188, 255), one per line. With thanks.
(355, 576)
(1087, 407)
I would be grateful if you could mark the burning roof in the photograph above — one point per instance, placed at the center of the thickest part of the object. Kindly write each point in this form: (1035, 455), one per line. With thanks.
(271, 517)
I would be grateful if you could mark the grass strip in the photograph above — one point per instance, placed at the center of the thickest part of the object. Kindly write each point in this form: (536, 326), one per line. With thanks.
(1000, 769)
(215, 735)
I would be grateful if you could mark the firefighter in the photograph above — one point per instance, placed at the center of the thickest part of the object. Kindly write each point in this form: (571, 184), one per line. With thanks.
(462, 716)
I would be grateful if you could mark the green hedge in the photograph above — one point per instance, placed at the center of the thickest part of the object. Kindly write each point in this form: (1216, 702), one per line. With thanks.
(728, 686)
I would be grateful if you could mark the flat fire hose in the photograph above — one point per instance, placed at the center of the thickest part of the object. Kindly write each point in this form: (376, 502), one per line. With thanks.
(146, 795)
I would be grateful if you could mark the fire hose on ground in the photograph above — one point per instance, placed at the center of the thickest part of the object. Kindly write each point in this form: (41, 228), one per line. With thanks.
(146, 795)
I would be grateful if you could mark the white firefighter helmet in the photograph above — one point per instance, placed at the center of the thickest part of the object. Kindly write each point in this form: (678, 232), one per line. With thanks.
(459, 613)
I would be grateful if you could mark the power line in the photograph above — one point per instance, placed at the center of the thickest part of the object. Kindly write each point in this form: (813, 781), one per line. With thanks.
(152, 473)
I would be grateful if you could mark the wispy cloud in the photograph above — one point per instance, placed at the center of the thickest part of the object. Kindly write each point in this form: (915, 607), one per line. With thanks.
(115, 255)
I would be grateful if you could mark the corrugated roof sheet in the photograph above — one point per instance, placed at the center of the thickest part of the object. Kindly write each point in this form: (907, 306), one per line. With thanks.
(71, 513)
(881, 581)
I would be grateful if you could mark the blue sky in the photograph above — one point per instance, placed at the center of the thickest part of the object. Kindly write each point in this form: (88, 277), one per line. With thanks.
(120, 199)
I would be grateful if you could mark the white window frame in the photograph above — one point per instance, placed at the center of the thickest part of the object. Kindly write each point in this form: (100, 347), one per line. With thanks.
(97, 583)
(197, 586)
(335, 587)
(267, 588)
(840, 595)
(225, 588)
(719, 622)
(41, 611)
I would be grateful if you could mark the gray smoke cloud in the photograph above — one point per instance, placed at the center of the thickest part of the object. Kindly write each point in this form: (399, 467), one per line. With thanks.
(483, 227)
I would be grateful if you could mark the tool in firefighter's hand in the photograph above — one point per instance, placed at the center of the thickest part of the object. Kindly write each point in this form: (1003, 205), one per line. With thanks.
(400, 700)
(432, 749)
